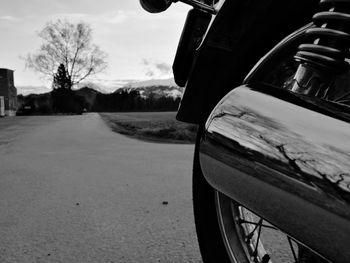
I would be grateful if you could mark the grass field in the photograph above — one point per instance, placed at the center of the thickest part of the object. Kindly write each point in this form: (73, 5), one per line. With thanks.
(151, 126)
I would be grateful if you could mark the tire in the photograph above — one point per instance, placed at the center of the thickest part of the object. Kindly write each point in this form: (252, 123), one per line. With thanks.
(221, 238)
(208, 231)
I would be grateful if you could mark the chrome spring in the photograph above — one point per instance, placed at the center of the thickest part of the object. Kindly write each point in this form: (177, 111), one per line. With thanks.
(330, 36)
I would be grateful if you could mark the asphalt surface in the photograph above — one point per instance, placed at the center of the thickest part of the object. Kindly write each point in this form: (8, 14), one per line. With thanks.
(71, 190)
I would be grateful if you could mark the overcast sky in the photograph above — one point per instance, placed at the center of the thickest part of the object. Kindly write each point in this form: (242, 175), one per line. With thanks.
(139, 45)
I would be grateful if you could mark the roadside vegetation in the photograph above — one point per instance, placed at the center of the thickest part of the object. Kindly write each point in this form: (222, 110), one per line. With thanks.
(151, 126)
(62, 100)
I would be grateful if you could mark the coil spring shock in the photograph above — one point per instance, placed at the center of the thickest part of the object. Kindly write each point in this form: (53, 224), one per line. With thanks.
(322, 60)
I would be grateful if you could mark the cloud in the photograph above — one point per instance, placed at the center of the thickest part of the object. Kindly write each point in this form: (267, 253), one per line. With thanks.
(117, 17)
(150, 73)
(9, 18)
(164, 68)
(71, 15)
(156, 69)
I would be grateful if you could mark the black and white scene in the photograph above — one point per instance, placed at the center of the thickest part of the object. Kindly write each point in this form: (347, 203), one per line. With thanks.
(200, 131)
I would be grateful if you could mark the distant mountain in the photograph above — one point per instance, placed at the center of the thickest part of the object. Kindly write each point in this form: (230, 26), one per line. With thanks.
(26, 90)
(153, 87)
(88, 94)
(156, 87)
(156, 91)
(152, 82)
(104, 86)
(86, 91)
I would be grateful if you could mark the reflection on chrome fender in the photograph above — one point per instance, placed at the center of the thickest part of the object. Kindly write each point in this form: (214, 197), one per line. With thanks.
(287, 158)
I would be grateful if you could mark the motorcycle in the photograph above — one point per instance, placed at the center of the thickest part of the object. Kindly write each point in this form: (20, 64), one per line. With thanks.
(268, 84)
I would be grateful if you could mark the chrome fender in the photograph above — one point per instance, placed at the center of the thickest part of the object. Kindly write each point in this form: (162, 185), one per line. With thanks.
(286, 157)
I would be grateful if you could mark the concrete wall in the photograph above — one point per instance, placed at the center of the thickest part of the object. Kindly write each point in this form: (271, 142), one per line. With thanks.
(2, 106)
(8, 91)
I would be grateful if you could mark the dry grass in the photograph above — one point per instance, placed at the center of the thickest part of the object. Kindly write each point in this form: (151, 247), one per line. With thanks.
(151, 126)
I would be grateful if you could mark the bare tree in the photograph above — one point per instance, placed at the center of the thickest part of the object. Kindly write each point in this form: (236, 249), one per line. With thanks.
(70, 45)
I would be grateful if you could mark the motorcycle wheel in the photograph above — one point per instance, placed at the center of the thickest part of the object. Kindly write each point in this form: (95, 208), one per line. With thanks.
(229, 233)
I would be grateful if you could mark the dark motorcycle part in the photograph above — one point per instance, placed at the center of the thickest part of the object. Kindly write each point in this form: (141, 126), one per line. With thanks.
(155, 6)
(323, 59)
(212, 209)
(290, 148)
(205, 6)
(211, 245)
(158, 6)
(192, 34)
(238, 37)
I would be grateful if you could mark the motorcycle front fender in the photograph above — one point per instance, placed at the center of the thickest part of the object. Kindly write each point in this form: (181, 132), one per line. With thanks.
(286, 157)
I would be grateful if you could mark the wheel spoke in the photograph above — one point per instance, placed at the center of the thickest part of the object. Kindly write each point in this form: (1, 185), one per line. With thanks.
(257, 244)
(250, 235)
(255, 253)
(296, 260)
(243, 221)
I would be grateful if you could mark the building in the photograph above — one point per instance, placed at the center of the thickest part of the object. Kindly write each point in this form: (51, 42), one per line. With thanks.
(8, 93)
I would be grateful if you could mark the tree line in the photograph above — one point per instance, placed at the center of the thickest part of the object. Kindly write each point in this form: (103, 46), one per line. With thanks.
(67, 101)
(125, 100)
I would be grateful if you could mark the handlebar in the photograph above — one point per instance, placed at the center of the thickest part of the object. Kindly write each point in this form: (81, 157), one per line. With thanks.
(200, 5)
(157, 6)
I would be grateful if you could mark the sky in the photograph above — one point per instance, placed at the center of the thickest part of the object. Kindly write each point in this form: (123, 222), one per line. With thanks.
(139, 45)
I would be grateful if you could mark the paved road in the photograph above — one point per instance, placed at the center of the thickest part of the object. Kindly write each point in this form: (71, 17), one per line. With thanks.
(73, 191)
